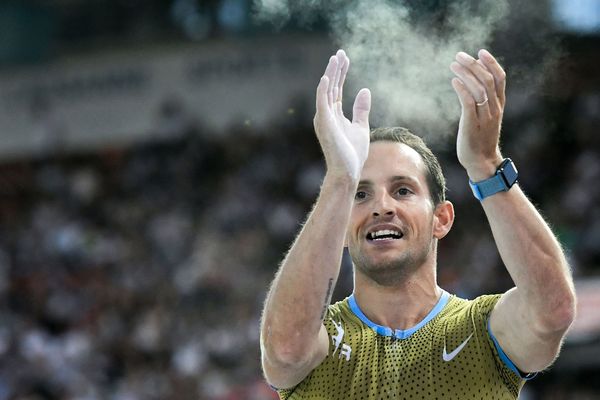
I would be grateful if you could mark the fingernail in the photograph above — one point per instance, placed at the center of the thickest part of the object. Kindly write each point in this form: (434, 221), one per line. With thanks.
(483, 53)
(462, 56)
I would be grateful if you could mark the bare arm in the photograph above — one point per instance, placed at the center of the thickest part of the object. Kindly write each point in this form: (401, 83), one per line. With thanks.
(530, 320)
(293, 338)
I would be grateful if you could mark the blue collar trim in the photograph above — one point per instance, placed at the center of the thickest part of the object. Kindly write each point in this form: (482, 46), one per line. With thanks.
(398, 333)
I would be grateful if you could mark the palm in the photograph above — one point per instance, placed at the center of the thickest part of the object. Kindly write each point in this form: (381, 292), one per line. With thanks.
(476, 141)
(345, 143)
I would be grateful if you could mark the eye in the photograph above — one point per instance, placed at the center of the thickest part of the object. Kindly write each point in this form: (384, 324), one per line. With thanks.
(404, 191)
(360, 195)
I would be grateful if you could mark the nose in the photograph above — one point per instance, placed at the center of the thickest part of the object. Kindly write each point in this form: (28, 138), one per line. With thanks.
(383, 206)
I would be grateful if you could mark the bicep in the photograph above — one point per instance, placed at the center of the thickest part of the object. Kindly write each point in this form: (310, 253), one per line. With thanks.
(514, 327)
(285, 375)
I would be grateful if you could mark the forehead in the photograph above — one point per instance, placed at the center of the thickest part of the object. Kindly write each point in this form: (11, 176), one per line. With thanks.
(388, 159)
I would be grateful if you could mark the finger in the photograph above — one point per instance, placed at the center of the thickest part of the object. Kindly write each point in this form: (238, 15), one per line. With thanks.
(471, 82)
(497, 71)
(474, 88)
(321, 98)
(361, 108)
(336, 80)
(344, 70)
(481, 63)
(493, 100)
(341, 59)
(483, 75)
(466, 99)
(330, 74)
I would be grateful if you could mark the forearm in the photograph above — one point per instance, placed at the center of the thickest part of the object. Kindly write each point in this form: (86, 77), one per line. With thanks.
(530, 320)
(533, 257)
(299, 296)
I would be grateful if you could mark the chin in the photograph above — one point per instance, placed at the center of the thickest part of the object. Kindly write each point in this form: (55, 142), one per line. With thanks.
(385, 271)
(385, 275)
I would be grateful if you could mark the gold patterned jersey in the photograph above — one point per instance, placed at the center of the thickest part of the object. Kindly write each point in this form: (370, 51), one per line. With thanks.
(451, 354)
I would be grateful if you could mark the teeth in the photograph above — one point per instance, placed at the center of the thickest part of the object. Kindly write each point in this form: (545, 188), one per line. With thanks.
(385, 232)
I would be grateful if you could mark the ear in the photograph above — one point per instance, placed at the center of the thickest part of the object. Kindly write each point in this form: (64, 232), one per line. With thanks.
(443, 218)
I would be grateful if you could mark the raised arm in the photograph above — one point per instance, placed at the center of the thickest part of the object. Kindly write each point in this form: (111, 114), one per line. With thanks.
(531, 319)
(293, 338)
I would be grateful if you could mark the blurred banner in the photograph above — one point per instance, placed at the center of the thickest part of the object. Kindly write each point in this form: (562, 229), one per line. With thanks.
(113, 98)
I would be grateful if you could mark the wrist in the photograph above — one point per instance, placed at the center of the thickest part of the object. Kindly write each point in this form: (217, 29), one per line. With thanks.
(483, 169)
(341, 180)
(505, 177)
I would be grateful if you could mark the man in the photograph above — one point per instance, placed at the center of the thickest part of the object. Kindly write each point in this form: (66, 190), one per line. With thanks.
(400, 335)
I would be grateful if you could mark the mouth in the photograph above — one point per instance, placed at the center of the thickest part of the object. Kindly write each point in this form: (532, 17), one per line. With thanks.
(384, 235)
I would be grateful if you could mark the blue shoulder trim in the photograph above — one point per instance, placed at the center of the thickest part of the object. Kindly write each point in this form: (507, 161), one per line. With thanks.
(507, 360)
(398, 333)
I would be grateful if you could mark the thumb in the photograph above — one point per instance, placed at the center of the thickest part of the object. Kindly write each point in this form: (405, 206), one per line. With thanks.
(361, 108)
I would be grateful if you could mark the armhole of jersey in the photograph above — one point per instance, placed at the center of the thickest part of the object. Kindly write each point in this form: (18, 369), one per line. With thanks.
(507, 361)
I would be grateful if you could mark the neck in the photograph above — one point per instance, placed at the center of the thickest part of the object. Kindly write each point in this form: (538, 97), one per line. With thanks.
(401, 306)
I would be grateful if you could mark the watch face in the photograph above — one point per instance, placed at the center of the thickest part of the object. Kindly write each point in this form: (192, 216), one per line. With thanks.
(504, 178)
(509, 172)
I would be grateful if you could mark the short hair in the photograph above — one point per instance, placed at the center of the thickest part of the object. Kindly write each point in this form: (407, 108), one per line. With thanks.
(433, 174)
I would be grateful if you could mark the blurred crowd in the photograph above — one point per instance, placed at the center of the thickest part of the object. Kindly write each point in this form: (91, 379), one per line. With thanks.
(139, 272)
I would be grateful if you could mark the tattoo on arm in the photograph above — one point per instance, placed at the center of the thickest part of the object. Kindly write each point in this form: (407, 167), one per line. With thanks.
(327, 298)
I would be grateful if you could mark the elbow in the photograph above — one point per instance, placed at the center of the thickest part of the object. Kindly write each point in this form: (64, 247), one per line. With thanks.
(567, 312)
(561, 314)
(286, 351)
(285, 355)
(284, 366)
(566, 306)
(558, 300)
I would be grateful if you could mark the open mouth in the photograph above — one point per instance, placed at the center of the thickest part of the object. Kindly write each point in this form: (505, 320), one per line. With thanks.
(384, 234)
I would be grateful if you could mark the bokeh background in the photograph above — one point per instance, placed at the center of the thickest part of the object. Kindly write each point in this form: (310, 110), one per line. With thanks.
(157, 159)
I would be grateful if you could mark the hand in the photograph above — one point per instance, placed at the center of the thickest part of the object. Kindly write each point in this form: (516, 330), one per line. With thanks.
(480, 86)
(345, 144)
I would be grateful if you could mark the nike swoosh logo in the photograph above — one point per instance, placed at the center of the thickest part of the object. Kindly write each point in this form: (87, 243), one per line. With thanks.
(453, 353)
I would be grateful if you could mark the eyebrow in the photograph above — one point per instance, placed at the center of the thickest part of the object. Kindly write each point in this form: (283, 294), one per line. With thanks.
(393, 179)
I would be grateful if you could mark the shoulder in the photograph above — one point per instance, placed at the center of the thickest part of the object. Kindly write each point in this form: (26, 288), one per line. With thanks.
(340, 316)
(341, 311)
(468, 315)
(482, 306)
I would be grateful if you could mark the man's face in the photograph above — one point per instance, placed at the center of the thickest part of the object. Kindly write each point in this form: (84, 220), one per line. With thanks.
(391, 229)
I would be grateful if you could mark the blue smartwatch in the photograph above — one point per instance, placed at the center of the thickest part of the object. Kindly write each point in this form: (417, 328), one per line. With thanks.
(505, 177)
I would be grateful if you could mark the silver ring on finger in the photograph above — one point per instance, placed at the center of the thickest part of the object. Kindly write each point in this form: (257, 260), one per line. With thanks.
(483, 103)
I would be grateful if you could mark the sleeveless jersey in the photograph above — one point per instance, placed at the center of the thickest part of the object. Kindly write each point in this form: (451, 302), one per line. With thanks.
(451, 354)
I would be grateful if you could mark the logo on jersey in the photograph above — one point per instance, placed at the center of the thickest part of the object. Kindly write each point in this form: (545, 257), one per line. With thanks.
(449, 356)
(344, 349)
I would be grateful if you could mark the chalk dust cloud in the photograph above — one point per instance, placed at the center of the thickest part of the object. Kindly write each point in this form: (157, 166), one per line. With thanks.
(401, 51)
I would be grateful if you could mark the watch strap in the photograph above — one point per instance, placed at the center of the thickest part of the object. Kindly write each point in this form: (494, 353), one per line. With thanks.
(506, 175)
